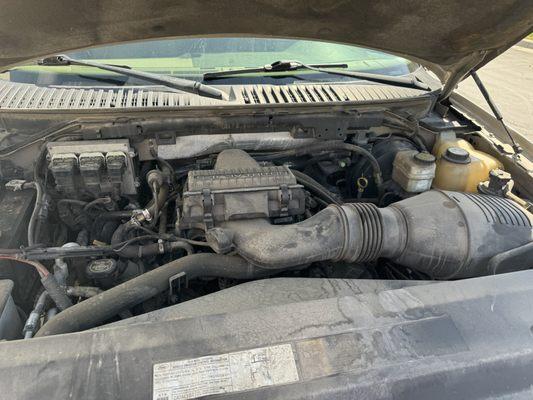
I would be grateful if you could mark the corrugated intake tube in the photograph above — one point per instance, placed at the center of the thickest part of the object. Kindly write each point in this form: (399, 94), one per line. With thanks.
(443, 234)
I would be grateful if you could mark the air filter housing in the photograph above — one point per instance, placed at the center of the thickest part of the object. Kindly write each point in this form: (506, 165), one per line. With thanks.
(239, 188)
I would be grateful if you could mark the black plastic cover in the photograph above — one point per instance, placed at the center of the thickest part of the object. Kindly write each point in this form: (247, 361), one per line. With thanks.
(469, 339)
(239, 188)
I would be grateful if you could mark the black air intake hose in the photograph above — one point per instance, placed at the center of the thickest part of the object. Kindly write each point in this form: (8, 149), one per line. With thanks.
(443, 234)
(96, 310)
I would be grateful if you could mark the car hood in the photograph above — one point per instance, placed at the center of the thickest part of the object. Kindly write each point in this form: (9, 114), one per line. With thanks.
(449, 37)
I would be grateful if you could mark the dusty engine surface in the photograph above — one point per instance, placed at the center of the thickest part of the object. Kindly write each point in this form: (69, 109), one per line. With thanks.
(118, 229)
(239, 188)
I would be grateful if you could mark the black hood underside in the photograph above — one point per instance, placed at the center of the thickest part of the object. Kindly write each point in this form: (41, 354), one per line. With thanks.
(449, 37)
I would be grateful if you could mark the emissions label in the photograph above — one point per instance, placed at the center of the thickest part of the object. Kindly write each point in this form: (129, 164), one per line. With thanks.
(225, 373)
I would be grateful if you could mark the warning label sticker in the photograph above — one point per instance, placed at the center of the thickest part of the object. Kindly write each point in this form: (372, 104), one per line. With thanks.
(225, 373)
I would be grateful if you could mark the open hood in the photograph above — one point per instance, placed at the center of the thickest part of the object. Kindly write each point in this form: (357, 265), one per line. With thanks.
(449, 37)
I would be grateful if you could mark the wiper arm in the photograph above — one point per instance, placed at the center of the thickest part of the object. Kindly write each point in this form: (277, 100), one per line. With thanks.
(278, 66)
(285, 66)
(185, 85)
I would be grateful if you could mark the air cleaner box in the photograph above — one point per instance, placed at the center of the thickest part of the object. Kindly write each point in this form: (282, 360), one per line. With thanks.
(229, 194)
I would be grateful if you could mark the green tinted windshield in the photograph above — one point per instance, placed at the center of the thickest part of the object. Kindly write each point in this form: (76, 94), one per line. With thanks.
(192, 57)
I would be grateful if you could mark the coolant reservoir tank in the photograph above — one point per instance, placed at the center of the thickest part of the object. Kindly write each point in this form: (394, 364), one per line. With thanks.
(460, 167)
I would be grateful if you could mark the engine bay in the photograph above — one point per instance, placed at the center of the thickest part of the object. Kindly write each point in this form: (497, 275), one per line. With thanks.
(115, 228)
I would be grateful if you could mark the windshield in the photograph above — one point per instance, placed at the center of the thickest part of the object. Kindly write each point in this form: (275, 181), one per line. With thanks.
(192, 57)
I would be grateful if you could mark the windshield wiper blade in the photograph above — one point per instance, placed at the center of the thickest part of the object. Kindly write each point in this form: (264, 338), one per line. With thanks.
(278, 66)
(286, 66)
(185, 85)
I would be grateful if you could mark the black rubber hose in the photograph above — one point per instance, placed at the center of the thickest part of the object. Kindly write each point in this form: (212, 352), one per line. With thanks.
(106, 232)
(56, 292)
(318, 238)
(154, 211)
(40, 192)
(66, 202)
(154, 249)
(98, 309)
(83, 237)
(106, 202)
(332, 146)
(411, 128)
(120, 232)
(163, 219)
(37, 206)
(155, 206)
(315, 187)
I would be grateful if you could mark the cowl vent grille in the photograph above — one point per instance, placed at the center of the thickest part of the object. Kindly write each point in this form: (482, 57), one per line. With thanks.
(323, 93)
(16, 96)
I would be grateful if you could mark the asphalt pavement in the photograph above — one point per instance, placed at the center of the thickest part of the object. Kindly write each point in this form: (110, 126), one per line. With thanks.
(509, 80)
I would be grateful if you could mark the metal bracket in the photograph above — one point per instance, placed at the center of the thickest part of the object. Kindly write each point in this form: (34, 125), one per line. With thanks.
(175, 282)
(208, 202)
(165, 138)
(284, 199)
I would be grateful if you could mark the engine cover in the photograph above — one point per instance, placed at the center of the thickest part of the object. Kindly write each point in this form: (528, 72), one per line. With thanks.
(239, 188)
